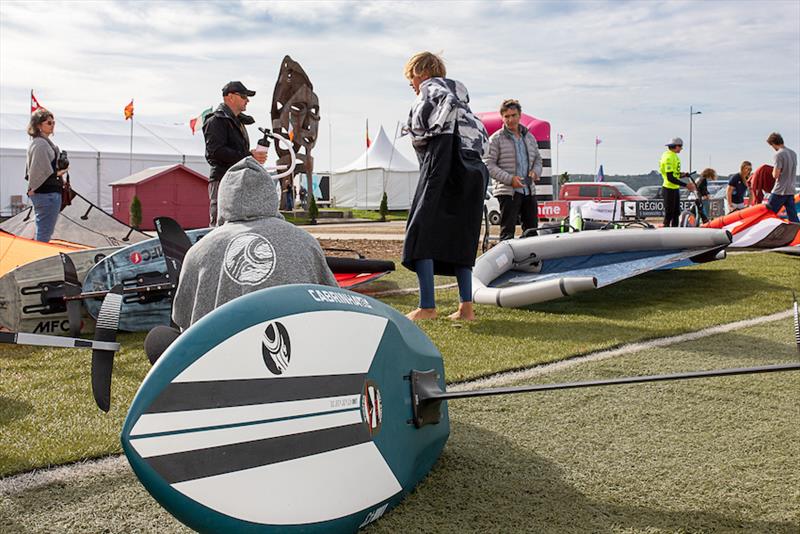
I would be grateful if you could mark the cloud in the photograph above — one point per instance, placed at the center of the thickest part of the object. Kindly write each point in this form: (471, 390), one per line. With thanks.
(626, 71)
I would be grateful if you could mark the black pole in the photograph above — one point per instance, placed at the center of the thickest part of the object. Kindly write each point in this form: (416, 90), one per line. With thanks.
(619, 381)
(427, 395)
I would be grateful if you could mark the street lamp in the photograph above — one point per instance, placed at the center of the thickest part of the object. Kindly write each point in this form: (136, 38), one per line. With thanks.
(692, 113)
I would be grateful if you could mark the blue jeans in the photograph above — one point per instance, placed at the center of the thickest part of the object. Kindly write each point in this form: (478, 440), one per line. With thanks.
(776, 202)
(425, 276)
(46, 206)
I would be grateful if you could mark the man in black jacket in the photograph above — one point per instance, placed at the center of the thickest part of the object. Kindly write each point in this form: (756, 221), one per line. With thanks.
(227, 141)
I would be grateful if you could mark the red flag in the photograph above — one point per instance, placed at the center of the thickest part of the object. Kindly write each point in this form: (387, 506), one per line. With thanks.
(129, 110)
(193, 123)
(368, 141)
(34, 103)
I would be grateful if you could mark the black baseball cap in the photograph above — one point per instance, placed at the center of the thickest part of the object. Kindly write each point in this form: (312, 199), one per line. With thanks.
(237, 87)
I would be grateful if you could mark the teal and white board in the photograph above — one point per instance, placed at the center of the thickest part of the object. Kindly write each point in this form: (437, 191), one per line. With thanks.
(286, 410)
(126, 266)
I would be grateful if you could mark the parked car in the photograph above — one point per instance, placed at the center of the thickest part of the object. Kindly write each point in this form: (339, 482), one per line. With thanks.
(598, 191)
(715, 185)
(650, 192)
(492, 206)
(653, 192)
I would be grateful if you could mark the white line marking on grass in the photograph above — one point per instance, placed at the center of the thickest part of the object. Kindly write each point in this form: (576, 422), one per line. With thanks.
(524, 374)
(42, 477)
(61, 474)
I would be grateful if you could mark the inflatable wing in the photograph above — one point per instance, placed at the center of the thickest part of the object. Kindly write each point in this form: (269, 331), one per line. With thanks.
(536, 269)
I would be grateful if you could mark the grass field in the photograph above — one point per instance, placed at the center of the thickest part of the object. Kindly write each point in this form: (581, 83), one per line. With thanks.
(715, 455)
(48, 416)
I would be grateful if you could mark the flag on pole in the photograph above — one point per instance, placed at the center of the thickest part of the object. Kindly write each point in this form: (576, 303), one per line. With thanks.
(368, 141)
(34, 103)
(600, 176)
(597, 141)
(561, 138)
(129, 110)
(199, 120)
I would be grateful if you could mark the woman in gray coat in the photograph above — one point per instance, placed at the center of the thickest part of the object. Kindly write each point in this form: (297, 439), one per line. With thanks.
(44, 179)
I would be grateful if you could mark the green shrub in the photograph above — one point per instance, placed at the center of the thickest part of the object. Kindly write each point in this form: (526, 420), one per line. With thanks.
(136, 212)
(313, 210)
(384, 209)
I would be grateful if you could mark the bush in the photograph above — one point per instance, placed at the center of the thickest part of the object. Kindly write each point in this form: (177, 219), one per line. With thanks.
(313, 210)
(136, 212)
(384, 209)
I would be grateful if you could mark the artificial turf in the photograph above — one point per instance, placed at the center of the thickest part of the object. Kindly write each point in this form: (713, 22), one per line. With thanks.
(712, 455)
(48, 417)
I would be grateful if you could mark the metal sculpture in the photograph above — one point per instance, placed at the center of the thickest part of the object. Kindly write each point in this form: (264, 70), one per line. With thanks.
(295, 115)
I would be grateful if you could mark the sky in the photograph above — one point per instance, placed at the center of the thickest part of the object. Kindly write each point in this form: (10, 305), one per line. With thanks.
(624, 72)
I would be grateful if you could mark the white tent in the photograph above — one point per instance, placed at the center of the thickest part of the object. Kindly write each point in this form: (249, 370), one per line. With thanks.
(381, 168)
(99, 153)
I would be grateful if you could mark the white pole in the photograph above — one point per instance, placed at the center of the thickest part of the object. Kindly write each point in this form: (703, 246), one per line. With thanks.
(130, 154)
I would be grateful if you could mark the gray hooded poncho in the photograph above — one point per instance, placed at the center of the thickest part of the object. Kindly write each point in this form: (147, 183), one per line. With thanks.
(255, 248)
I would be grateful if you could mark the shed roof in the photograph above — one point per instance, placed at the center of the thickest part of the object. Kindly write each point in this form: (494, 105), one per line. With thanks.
(156, 172)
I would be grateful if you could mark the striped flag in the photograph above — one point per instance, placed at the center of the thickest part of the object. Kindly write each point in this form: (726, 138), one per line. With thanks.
(193, 123)
(129, 110)
(34, 103)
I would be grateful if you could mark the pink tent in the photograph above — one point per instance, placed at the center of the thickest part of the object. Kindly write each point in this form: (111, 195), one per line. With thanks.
(541, 131)
(539, 128)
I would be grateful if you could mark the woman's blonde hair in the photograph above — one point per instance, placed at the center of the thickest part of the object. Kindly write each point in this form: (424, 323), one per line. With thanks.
(744, 164)
(708, 174)
(425, 63)
(37, 118)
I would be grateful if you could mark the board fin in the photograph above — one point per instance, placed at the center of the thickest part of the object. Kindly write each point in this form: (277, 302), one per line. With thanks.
(103, 360)
(72, 287)
(174, 244)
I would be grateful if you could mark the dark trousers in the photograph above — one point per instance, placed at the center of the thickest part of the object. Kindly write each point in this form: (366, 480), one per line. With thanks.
(672, 206)
(776, 202)
(516, 207)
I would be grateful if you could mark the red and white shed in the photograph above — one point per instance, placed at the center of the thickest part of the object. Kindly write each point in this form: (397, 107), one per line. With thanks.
(169, 191)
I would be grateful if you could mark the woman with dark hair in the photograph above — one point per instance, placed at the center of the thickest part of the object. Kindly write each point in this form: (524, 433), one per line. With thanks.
(444, 221)
(42, 174)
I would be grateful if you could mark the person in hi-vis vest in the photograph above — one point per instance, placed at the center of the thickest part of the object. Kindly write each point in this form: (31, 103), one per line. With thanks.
(670, 169)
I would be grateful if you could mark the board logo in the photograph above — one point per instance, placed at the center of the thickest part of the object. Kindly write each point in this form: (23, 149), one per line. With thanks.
(371, 407)
(276, 348)
(249, 259)
(374, 515)
(136, 258)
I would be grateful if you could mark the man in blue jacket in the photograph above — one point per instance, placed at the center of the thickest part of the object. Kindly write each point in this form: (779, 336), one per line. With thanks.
(227, 141)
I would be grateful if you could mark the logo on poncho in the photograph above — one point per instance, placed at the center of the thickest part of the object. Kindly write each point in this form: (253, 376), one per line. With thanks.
(249, 259)
(276, 348)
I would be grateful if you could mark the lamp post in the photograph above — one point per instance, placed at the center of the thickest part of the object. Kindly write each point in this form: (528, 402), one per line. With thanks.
(692, 113)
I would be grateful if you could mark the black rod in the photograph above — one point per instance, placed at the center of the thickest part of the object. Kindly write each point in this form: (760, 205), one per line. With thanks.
(125, 290)
(611, 382)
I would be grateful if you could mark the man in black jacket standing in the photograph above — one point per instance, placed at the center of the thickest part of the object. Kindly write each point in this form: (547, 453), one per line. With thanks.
(227, 141)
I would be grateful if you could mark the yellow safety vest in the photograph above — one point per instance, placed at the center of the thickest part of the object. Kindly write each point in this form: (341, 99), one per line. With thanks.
(670, 164)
